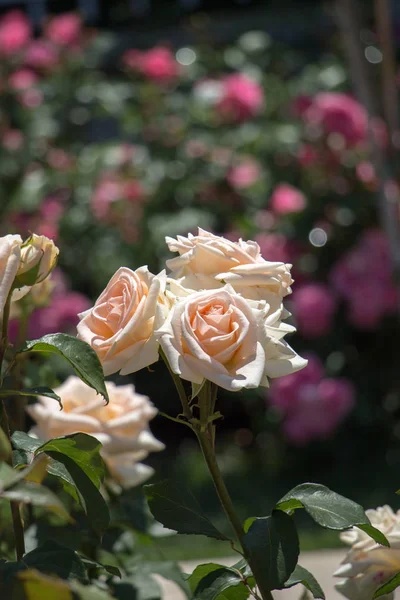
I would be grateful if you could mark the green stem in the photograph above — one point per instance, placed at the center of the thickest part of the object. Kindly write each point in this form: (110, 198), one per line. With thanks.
(179, 387)
(207, 448)
(15, 512)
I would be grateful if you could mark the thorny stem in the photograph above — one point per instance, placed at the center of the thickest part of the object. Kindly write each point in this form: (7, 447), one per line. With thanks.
(15, 512)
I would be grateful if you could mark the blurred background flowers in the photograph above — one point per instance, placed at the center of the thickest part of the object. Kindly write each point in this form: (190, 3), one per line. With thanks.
(112, 137)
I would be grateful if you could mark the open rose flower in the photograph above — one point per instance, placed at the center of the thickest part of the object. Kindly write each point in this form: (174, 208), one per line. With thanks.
(122, 426)
(220, 336)
(120, 326)
(10, 257)
(208, 261)
(369, 565)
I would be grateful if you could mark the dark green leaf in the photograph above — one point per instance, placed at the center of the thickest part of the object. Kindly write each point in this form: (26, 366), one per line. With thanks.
(178, 509)
(146, 587)
(100, 568)
(329, 509)
(273, 548)
(212, 581)
(58, 469)
(79, 354)
(35, 494)
(91, 499)
(83, 449)
(388, 587)
(54, 559)
(301, 575)
(170, 570)
(36, 391)
(5, 447)
(8, 476)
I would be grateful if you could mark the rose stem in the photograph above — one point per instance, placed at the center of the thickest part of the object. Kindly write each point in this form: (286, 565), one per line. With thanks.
(207, 448)
(15, 512)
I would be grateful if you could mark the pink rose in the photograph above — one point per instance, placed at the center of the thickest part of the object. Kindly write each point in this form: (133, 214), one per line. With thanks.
(313, 307)
(22, 79)
(13, 139)
(41, 54)
(64, 30)
(15, 32)
(244, 175)
(242, 98)
(312, 405)
(287, 199)
(339, 113)
(158, 64)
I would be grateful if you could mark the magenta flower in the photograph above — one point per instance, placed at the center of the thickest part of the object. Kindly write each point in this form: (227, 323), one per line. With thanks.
(158, 64)
(314, 305)
(242, 98)
(244, 174)
(287, 199)
(15, 32)
(64, 30)
(312, 405)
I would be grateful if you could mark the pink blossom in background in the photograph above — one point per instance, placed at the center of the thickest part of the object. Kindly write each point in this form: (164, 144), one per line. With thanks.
(363, 278)
(64, 30)
(13, 139)
(242, 98)
(22, 79)
(276, 247)
(30, 98)
(340, 113)
(59, 159)
(42, 55)
(313, 306)
(307, 155)
(245, 174)
(301, 104)
(15, 32)
(158, 64)
(312, 405)
(107, 192)
(287, 199)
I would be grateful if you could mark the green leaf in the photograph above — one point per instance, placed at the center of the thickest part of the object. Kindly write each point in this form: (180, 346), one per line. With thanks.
(82, 449)
(8, 476)
(23, 441)
(54, 559)
(58, 469)
(301, 575)
(36, 391)
(178, 509)
(145, 587)
(89, 496)
(196, 388)
(79, 354)
(101, 568)
(272, 544)
(212, 581)
(37, 495)
(329, 509)
(170, 570)
(388, 587)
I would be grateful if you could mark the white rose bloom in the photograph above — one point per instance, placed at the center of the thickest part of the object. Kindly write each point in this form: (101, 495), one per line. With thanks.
(10, 258)
(39, 256)
(209, 261)
(368, 565)
(122, 426)
(220, 336)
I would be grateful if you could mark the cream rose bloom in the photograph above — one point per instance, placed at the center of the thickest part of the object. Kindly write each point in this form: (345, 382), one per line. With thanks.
(208, 261)
(120, 326)
(220, 336)
(122, 426)
(10, 258)
(39, 256)
(368, 565)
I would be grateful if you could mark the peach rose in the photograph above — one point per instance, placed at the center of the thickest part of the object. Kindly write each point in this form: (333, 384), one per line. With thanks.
(120, 326)
(220, 336)
(208, 261)
(10, 257)
(122, 426)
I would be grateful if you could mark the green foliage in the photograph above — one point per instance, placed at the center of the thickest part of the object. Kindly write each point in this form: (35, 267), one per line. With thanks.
(301, 575)
(177, 509)
(388, 587)
(54, 559)
(216, 582)
(272, 546)
(79, 354)
(36, 391)
(329, 509)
